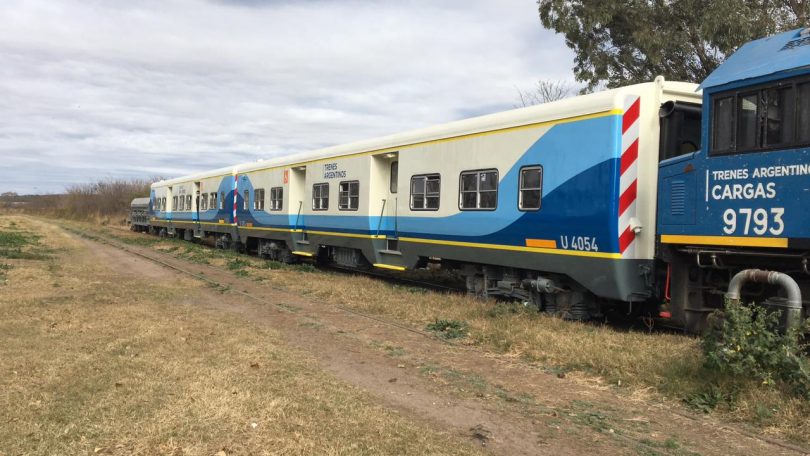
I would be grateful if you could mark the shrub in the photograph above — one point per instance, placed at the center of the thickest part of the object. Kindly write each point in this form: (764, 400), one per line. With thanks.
(745, 342)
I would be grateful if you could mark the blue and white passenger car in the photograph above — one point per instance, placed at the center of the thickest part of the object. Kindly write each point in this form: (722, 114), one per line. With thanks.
(553, 203)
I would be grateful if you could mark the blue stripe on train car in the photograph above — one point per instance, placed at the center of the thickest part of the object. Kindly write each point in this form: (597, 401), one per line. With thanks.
(580, 197)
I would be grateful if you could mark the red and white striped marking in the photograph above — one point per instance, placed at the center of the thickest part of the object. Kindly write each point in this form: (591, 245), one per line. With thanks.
(628, 180)
(235, 196)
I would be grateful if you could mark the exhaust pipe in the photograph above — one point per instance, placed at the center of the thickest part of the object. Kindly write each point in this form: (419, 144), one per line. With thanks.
(793, 303)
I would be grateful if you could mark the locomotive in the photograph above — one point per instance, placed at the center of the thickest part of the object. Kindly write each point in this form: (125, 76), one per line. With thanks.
(663, 197)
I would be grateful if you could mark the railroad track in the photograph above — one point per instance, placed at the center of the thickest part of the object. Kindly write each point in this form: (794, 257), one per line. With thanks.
(615, 321)
(285, 308)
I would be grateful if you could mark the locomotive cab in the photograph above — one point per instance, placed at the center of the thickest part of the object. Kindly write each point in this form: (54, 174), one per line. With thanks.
(739, 202)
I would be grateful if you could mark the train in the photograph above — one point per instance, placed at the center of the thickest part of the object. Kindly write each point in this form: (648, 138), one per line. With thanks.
(663, 198)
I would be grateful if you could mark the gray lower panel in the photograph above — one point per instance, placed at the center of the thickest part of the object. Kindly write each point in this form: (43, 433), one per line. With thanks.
(623, 280)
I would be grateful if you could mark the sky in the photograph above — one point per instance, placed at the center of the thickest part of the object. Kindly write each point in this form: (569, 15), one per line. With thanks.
(103, 89)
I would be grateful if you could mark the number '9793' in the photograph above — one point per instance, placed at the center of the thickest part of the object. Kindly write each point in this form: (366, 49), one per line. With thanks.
(754, 221)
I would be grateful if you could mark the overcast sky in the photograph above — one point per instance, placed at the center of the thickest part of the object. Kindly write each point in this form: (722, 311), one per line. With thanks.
(96, 89)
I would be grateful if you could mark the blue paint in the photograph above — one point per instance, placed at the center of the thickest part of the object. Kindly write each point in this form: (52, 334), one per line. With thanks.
(786, 51)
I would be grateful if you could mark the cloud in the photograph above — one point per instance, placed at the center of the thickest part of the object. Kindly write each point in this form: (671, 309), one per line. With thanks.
(95, 89)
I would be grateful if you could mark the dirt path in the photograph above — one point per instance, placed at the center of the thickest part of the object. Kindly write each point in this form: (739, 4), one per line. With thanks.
(507, 406)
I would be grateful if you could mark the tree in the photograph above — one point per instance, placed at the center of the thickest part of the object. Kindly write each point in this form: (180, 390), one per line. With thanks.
(544, 92)
(630, 41)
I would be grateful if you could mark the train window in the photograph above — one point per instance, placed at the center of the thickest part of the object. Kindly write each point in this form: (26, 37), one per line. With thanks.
(276, 198)
(204, 202)
(478, 190)
(747, 113)
(531, 188)
(723, 126)
(763, 118)
(320, 196)
(425, 192)
(394, 176)
(258, 199)
(221, 200)
(680, 129)
(779, 108)
(246, 201)
(349, 196)
(212, 201)
(803, 112)
(188, 202)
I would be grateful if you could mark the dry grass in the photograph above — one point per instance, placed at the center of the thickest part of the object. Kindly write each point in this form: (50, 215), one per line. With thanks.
(93, 363)
(665, 366)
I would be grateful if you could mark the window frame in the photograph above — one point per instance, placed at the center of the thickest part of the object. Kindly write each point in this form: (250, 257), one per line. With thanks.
(258, 199)
(188, 203)
(321, 185)
(521, 189)
(761, 90)
(203, 201)
(478, 173)
(349, 195)
(275, 197)
(222, 201)
(213, 203)
(426, 176)
(246, 201)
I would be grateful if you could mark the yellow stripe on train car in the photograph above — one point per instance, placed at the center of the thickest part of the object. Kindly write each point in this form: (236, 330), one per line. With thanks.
(736, 241)
(515, 248)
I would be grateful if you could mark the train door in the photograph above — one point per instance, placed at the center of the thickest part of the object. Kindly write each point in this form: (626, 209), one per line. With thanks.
(296, 180)
(383, 206)
(169, 203)
(196, 211)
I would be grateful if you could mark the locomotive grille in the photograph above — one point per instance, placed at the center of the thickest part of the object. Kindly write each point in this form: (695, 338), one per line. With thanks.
(677, 198)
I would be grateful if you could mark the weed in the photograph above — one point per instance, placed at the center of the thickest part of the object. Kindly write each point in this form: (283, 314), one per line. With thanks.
(505, 309)
(4, 267)
(270, 264)
(709, 399)
(394, 351)
(304, 267)
(414, 290)
(237, 264)
(241, 273)
(311, 324)
(449, 329)
(746, 342)
(218, 287)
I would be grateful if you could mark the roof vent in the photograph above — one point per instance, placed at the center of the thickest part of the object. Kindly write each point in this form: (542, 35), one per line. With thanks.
(803, 39)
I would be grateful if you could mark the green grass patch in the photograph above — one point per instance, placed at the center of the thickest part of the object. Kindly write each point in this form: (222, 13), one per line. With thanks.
(21, 245)
(237, 264)
(449, 329)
